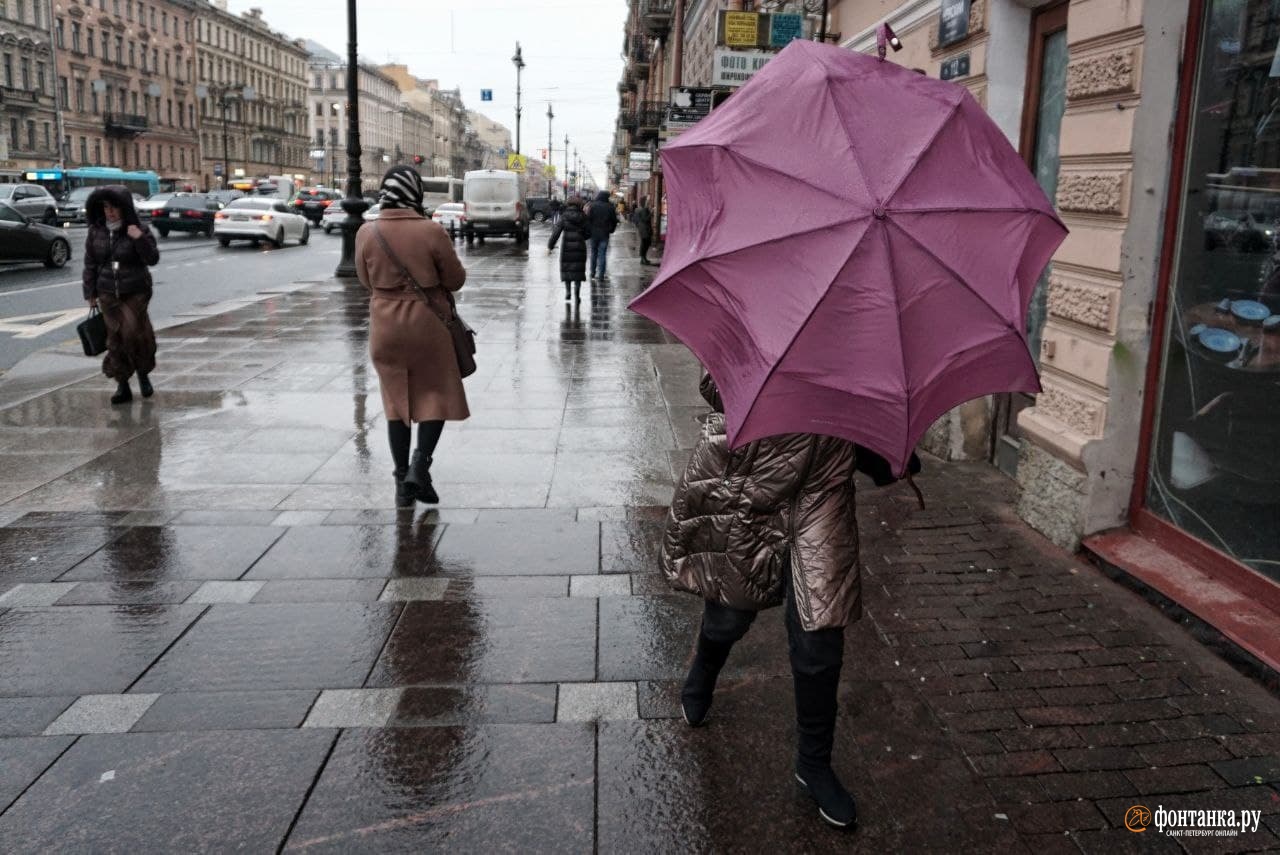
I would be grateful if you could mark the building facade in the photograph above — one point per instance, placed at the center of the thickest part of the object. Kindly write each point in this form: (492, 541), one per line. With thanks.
(252, 97)
(29, 136)
(126, 82)
(382, 121)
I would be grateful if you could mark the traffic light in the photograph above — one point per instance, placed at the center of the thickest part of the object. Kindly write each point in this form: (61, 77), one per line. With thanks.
(417, 158)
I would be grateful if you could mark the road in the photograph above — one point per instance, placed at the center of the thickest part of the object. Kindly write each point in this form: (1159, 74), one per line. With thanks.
(39, 307)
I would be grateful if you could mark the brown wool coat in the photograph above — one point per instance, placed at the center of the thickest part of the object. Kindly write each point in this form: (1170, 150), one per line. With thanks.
(740, 519)
(409, 344)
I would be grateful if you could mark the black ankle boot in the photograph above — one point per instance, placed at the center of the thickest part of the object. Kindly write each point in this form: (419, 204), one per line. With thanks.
(419, 477)
(567, 294)
(144, 385)
(123, 393)
(700, 685)
(406, 494)
(815, 734)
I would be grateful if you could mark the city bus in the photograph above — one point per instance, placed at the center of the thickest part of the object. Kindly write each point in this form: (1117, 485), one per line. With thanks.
(438, 191)
(59, 182)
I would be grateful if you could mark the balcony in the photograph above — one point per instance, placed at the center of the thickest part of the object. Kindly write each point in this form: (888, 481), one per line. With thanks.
(627, 121)
(657, 17)
(640, 62)
(649, 117)
(18, 99)
(124, 124)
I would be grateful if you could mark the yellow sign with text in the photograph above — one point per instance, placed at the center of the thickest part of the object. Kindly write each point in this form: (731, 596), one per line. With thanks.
(741, 29)
(517, 162)
(549, 171)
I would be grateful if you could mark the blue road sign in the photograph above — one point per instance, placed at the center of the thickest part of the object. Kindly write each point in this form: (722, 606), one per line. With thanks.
(502, 152)
(217, 169)
(486, 94)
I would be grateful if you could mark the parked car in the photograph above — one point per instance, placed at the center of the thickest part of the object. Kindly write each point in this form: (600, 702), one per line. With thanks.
(153, 203)
(32, 201)
(311, 202)
(260, 218)
(539, 208)
(371, 213)
(493, 205)
(451, 215)
(226, 197)
(1241, 230)
(23, 239)
(71, 205)
(187, 213)
(332, 218)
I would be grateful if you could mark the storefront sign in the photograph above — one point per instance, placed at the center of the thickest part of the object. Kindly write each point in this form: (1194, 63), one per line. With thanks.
(957, 66)
(735, 67)
(685, 107)
(639, 165)
(740, 29)
(784, 29)
(953, 22)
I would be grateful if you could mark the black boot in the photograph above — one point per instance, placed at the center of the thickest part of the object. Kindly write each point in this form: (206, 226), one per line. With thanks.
(700, 685)
(815, 733)
(123, 393)
(406, 494)
(419, 478)
(577, 292)
(144, 385)
(567, 294)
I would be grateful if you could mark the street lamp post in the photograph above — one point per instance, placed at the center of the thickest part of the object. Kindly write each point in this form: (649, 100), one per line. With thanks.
(550, 115)
(223, 96)
(354, 204)
(566, 168)
(518, 61)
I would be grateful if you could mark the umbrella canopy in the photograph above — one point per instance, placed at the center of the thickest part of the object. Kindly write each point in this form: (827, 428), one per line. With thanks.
(851, 251)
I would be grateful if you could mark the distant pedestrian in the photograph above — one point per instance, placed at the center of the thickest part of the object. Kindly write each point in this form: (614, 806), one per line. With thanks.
(573, 254)
(117, 254)
(768, 524)
(557, 210)
(643, 219)
(408, 341)
(604, 221)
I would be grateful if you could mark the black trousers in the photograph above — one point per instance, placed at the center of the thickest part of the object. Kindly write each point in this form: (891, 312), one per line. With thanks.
(645, 244)
(818, 654)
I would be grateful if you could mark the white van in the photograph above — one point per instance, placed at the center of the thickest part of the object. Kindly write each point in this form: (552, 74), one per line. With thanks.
(493, 205)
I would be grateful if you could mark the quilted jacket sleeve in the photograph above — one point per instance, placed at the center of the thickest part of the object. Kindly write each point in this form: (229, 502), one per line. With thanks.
(825, 549)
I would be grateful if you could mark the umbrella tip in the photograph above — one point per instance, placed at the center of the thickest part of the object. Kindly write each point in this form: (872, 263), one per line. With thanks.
(885, 39)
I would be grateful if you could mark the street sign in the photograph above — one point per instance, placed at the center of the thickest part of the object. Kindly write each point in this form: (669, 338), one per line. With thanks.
(517, 162)
(784, 29)
(549, 171)
(953, 22)
(317, 153)
(957, 66)
(217, 169)
(639, 165)
(735, 67)
(486, 94)
(741, 29)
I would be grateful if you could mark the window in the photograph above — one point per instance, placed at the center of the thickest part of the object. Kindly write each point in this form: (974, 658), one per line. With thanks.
(129, 9)
(319, 109)
(119, 50)
(60, 34)
(41, 82)
(84, 151)
(106, 46)
(31, 135)
(148, 155)
(80, 96)
(48, 137)
(13, 132)
(170, 110)
(133, 54)
(153, 17)
(63, 99)
(25, 65)
(10, 215)
(8, 69)
(155, 59)
(164, 20)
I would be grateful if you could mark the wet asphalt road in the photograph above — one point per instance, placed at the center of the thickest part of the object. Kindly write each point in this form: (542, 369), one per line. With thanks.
(217, 634)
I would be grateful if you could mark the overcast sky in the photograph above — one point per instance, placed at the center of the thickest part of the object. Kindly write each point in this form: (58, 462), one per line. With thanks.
(572, 52)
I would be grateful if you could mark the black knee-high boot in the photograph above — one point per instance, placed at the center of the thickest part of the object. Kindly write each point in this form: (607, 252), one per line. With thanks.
(400, 436)
(816, 708)
(419, 475)
(700, 684)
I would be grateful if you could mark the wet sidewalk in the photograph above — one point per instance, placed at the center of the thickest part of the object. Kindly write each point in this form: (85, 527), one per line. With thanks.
(217, 633)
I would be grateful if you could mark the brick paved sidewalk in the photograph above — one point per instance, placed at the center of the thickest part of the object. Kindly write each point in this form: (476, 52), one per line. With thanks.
(214, 633)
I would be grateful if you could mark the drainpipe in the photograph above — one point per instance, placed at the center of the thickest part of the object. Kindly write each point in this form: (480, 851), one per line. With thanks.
(677, 66)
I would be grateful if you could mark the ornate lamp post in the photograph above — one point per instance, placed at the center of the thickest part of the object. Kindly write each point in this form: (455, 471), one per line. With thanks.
(518, 61)
(223, 96)
(550, 115)
(354, 204)
(565, 179)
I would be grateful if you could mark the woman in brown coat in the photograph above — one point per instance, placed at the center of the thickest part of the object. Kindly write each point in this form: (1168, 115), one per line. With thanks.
(117, 253)
(410, 345)
(769, 524)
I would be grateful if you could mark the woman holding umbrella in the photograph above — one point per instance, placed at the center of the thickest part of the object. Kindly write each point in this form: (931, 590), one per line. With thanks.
(117, 254)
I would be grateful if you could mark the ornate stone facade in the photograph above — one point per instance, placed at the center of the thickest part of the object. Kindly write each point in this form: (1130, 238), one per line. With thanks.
(28, 132)
(1077, 413)
(1087, 305)
(1091, 193)
(1108, 74)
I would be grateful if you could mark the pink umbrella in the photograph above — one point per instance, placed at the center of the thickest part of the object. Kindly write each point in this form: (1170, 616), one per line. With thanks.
(851, 251)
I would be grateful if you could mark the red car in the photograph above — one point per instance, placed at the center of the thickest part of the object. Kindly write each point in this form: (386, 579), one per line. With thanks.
(311, 202)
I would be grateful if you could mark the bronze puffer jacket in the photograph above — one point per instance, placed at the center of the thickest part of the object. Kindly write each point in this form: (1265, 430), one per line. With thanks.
(741, 519)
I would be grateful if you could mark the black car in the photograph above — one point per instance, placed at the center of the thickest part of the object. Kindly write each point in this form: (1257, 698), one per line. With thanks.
(539, 208)
(71, 206)
(193, 213)
(311, 202)
(23, 239)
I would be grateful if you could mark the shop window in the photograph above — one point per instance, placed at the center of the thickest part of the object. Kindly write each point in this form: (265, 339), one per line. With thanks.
(1215, 461)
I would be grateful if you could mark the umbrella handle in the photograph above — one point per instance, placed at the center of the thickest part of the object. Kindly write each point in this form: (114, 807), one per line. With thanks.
(885, 39)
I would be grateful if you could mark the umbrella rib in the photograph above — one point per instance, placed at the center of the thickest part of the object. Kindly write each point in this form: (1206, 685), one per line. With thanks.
(848, 137)
(967, 209)
(947, 267)
(955, 108)
(749, 159)
(667, 277)
(902, 346)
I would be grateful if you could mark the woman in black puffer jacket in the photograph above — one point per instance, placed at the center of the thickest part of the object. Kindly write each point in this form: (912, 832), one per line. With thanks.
(117, 253)
(573, 255)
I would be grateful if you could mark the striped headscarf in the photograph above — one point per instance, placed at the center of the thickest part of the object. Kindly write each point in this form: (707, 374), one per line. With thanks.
(402, 188)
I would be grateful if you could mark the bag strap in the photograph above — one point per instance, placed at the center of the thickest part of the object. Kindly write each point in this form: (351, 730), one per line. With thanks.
(404, 271)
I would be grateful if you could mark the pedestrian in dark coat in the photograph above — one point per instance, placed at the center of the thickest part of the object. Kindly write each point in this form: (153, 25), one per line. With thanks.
(573, 253)
(409, 343)
(643, 219)
(604, 221)
(117, 254)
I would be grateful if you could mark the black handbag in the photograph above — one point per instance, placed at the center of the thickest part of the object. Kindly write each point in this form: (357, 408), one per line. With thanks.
(463, 336)
(93, 333)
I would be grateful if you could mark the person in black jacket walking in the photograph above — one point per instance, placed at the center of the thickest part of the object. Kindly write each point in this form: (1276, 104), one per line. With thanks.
(643, 218)
(603, 220)
(117, 254)
(573, 254)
